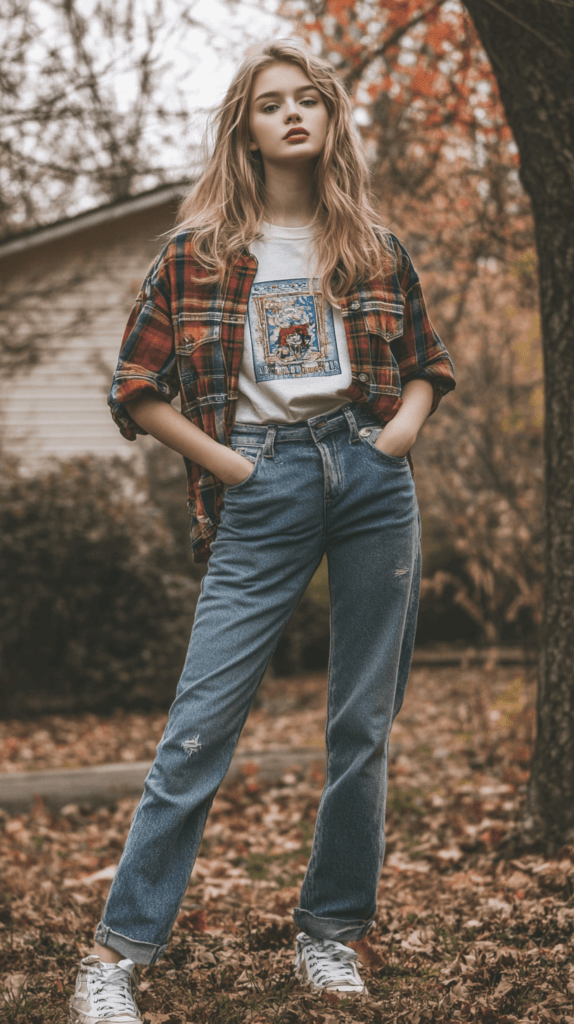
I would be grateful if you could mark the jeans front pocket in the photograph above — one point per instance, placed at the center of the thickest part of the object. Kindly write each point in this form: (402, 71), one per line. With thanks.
(253, 455)
(392, 460)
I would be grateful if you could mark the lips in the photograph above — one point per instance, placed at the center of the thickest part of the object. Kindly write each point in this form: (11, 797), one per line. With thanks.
(295, 131)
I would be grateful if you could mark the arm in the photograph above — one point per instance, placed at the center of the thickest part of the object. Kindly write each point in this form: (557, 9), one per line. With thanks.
(146, 380)
(169, 426)
(424, 364)
(419, 352)
(400, 433)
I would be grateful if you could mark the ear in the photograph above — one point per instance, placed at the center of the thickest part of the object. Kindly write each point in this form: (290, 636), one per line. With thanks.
(253, 146)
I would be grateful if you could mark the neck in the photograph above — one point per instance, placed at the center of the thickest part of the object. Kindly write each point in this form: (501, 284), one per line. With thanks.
(289, 194)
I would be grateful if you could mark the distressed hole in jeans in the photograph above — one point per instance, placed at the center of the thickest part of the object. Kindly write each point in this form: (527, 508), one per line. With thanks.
(191, 746)
(400, 572)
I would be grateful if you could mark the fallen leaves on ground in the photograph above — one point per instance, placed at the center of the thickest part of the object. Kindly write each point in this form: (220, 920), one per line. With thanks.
(468, 928)
(71, 741)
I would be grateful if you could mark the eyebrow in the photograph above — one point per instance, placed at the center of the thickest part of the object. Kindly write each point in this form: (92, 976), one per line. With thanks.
(277, 92)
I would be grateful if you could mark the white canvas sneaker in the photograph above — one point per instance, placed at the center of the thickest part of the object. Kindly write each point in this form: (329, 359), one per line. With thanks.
(104, 992)
(328, 966)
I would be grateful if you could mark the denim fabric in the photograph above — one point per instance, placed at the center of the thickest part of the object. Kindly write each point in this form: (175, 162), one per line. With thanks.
(316, 486)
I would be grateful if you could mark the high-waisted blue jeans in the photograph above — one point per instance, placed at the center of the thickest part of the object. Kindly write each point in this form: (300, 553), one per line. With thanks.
(317, 486)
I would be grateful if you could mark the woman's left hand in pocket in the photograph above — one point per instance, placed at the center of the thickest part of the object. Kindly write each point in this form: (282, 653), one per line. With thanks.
(239, 470)
(395, 441)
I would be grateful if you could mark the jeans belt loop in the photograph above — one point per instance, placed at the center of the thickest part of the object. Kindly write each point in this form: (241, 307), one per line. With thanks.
(268, 450)
(353, 431)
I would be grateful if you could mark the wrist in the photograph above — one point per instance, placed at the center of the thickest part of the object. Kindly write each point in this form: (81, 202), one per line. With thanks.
(401, 428)
(233, 468)
(396, 439)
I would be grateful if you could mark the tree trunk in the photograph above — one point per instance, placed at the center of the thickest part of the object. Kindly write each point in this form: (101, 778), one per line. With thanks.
(530, 44)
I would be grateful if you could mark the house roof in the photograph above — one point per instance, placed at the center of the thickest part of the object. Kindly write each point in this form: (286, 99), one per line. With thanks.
(91, 218)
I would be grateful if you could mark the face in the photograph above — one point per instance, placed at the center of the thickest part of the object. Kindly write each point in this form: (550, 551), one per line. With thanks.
(287, 116)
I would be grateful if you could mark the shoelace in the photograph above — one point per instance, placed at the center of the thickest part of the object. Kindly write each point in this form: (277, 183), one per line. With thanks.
(331, 961)
(111, 991)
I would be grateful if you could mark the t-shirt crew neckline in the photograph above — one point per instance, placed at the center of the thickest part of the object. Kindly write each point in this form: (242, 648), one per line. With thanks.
(279, 231)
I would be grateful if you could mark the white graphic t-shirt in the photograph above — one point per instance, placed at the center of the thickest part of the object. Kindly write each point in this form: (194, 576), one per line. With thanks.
(295, 358)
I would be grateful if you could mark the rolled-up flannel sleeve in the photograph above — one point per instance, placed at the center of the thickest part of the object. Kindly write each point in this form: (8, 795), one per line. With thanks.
(147, 355)
(419, 352)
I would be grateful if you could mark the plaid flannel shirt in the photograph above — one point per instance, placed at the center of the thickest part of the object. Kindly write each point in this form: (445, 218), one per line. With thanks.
(185, 337)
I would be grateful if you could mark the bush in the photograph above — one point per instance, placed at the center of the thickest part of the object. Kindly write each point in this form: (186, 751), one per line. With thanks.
(97, 598)
(95, 612)
(479, 467)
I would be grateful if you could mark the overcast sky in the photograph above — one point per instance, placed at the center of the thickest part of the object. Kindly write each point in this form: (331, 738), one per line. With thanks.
(200, 57)
(204, 56)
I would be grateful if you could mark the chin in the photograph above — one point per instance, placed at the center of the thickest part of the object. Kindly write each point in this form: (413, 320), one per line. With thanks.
(301, 152)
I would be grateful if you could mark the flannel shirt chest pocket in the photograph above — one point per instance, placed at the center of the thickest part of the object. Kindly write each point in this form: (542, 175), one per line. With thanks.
(200, 356)
(383, 313)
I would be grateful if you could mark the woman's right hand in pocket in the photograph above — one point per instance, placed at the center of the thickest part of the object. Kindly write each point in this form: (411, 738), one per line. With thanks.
(169, 426)
(237, 470)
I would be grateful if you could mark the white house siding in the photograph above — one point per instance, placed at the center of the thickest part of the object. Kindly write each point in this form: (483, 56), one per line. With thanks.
(58, 408)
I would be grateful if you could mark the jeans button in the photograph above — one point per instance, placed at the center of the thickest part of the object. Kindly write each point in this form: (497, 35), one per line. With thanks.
(365, 431)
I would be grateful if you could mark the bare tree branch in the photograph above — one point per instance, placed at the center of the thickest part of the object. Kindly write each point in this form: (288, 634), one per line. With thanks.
(67, 132)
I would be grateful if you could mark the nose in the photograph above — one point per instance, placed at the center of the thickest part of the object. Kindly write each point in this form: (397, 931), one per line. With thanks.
(293, 115)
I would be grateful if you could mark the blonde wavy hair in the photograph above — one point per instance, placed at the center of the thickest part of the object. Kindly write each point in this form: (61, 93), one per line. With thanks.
(226, 206)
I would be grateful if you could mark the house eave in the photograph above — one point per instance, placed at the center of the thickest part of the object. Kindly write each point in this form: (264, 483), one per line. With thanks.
(93, 218)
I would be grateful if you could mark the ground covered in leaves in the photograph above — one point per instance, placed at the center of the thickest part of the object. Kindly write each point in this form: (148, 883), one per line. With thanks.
(72, 741)
(470, 926)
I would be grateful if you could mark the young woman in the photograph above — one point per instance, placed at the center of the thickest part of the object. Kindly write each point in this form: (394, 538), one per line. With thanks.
(294, 330)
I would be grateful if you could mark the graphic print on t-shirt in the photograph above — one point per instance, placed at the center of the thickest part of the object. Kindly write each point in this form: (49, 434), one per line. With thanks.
(292, 331)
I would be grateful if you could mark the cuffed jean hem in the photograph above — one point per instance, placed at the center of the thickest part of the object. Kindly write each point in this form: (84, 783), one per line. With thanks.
(140, 952)
(330, 927)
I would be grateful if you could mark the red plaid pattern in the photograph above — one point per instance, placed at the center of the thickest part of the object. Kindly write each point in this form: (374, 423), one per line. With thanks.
(186, 338)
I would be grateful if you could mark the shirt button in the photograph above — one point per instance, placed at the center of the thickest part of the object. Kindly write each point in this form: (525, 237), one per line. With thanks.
(355, 305)
(363, 376)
